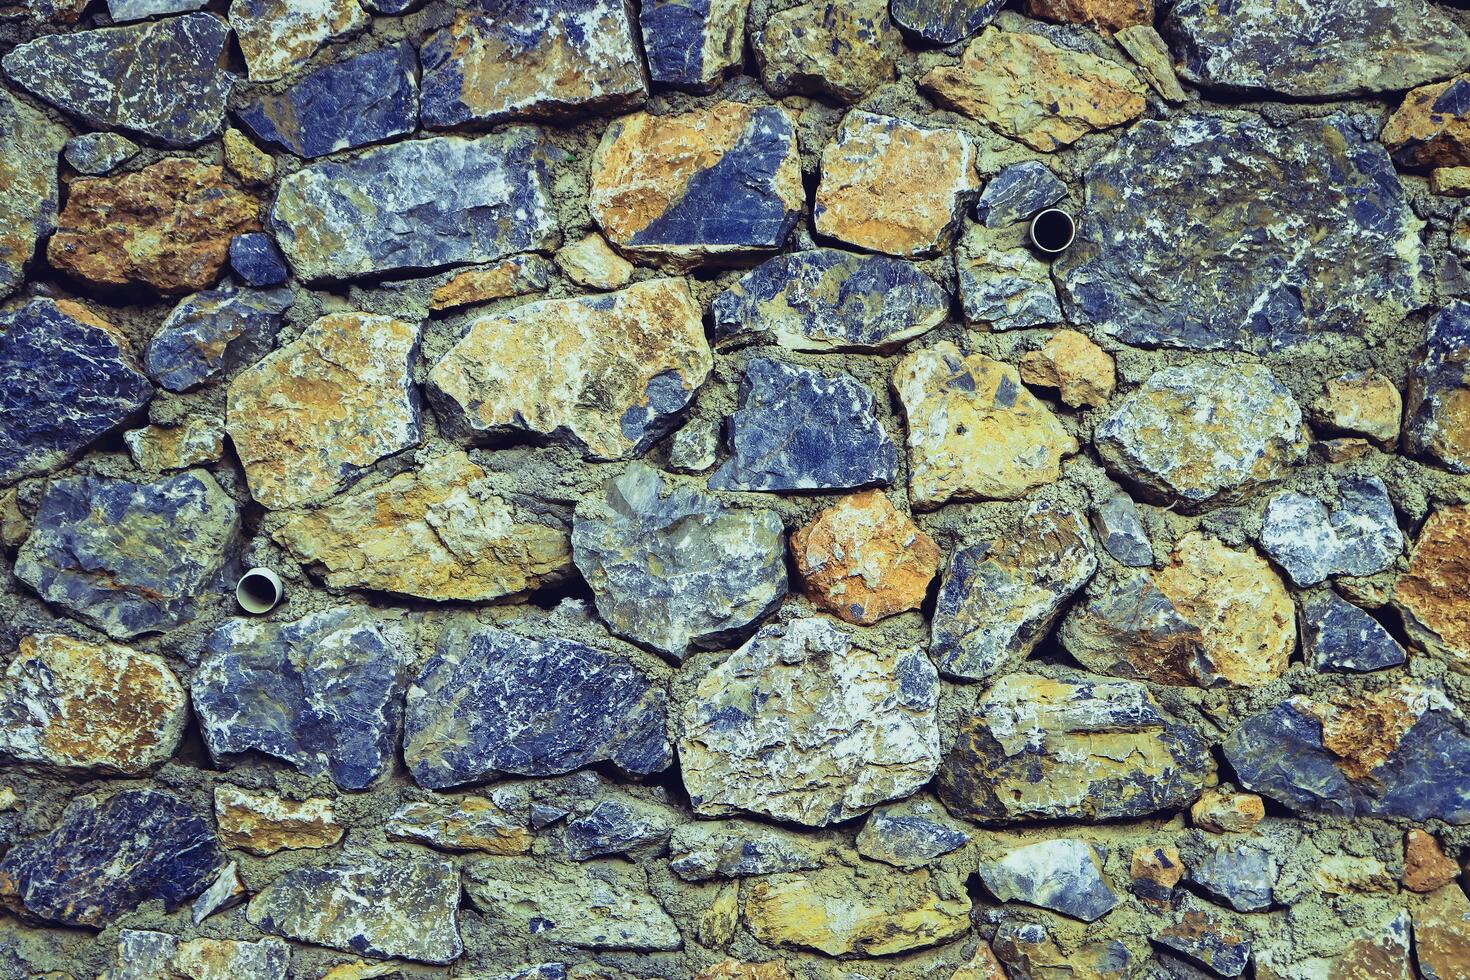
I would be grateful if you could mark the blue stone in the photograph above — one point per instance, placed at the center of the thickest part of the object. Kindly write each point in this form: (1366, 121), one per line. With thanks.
(1240, 872)
(1351, 530)
(215, 331)
(366, 99)
(1017, 193)
(615, 827)
(908, 835)
(105, 857)
(1435, 423)
(256, 260)
(801, 429)
(1337, 635)
(68, 381)
(693, 44)
(944, 21)
(98, 153)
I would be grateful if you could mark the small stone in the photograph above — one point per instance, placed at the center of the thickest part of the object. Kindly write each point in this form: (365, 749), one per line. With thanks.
(245, 160)
(94, 154)
(1151, 54)
(703, 185)
(514, 276)
(396, 902)
(1434, 594)
(693, 44)
(616, 827)
(1450, 181)
(1342, 48)
(214, 332)
(277, 36)
(1425, 866)
(311, 416)
(1351, 532)
(1088, 750)
(143, 955)
(801, 429)
(263, 823)
(79, 705)
(107, 551)
(439, 532)
(256, 261)
(1338, 636)
(705, 849)
(974, 432)
(872, 155)
(14, 524)
(1027, 88)
(1154, 871)
(825, 299)
(1442, 935)
(105, 857)
(695, 447)
(70, 380)
(1017, 193)
(864, 560)
(909, 834)
(490, 703)
(1118, 526)
(468, 200)
(510, 59)
(28, 187)
(1438, 420)
(1194, 432)
(1360, 402)
(592, 263)
(608, 375)
(1030, 953)
(1343, 874)
(1208, 939)
(167, 79)
(840, 48)
(646, 531)
(840, 910)
(1081, 371)
(1431, 128)
(156, 448)
(1223, 812)
(1104, 16)
(321, 694)
(982, 965)
(944, 21)
(1062, 874)
(593, 905)
(491, 825)
(1002, 283)
(1241, 873)
(735, 970)
(225, 892)
(366, 99)
(1000, 598)
(125, 10)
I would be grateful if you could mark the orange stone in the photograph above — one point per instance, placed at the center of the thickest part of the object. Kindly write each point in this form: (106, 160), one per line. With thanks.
(1425, 866)
(981, 966)
(1104, 16)
(1081, 371)
(1442, 934)
(1227, 813)
(1434, 594)
(1421, 134)
(1154, 872)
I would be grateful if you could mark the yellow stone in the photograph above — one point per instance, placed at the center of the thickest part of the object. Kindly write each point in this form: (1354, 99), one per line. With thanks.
(1360, 402)
(1421, 135)
(245, 160)
(1434, 594)
(1081, 371)
(591, 262)
(263, 823)
(1450, 181)
(277, 35)
(174, 447)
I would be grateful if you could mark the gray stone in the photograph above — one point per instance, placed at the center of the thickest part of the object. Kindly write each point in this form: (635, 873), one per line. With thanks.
(693, 44)
(1351, 532)
(224, 892)
(616, 826)
(695, 447)
(1116, 521)
(29, 143)
(147, 955)
(1001, 281)
(703, 849)
(1018, 192)
(99, 153)
(1437, 421)
(214, 332)
(1242, 873)
(125, 10)
(1210, 939)
(107, 551)
(1337, 635)
(944, 21)
(909, 834)
(1063, 874)
(674, 569)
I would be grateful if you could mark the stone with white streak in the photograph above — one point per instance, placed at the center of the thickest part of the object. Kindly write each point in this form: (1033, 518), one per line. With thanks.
(277, 36)
(1350, 531)
(1063, 874)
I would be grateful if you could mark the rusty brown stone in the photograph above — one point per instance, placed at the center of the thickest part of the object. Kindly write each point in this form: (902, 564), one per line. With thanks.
(1227, 812)
(263, 823)
(1442, 934)
(1081, 371)
(1429, 129)
(1154, 871)
(1434, 594)
(513, 276)
(1426, 868)
(1104, 16)
(738, 970)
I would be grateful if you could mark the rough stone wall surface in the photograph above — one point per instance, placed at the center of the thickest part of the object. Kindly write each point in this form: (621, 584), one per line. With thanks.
(716, 543)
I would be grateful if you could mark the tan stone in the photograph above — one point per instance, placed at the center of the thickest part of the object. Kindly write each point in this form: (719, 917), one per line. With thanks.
(167, 226)
(277, 35)
(974, 431)
(591, 262)
(438, 532)
(263, 823)
(1027, 88)
(15, 527)
(1346, 874)
(1105, 16)
(362, 970)
(1081, 371)
(1360, 402)
(1227, 812)
(1154, 871)
(1420, 135)
(738, 970)
(8, 799)
(1425, 866)
(514, 276)
(172, 447)
(245, 160)
(472, 823)
(982, 965)
(874, 155)
(1442, 934)
(1151, 54)
(843, 48)
(865, 560)
(715, 926)
(1434, 594)
(1450, 181)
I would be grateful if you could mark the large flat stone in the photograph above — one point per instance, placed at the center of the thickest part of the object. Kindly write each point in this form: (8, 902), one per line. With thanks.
(29, 143)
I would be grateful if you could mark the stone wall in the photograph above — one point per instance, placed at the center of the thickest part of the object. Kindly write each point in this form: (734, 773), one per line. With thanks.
(715, 542)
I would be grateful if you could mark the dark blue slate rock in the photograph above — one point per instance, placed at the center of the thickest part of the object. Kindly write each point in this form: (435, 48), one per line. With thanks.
(366, 99)
(800, 429)
(944, 21)
(213, 332)
(98, 153)
(131, 558)
(1337, 635)
(1018, 192)
(1121, 532)
(69, 381)
(1438, 419)
(615, 827)
(909, 834)
(256, 260)
(107, 856)
(1208, 938)
(825, 299)
(492, 703)
(1351, 531)
(693, 44)
(165, 79)
(323, 693)
(1063, 874)
(1240, 872)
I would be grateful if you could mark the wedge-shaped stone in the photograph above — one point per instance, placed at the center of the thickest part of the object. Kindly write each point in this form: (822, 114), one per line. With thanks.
(704, 849)
(493, 824)
(29, 143)
(1063, 874)
(1434, 594)
(909, 834)
(1337, 635)
(1438, 420)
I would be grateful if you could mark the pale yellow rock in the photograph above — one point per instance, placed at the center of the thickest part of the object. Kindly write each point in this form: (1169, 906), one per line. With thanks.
(1450, 181)
(1151, 54)
(8, 799)
(247, 161)
(278, 35)
(716, 925)
(1360, 402)
(1081, 371)
(173, 447)
(263, 823)
(591, 262)
(1226, 812)
(362, 970)
(974, 431)
(1345, 874)
(14, 527)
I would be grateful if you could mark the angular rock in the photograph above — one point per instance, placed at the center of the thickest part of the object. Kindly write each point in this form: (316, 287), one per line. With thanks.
(1432, 126)
(491, 703)
(396, 902)
(322, 694)
(1426, 868)
(1361, 403)
(801, 429)
(1029, 952)
(1241, 873)
(310, 417)
(1063, 874)
(1210, 940)
(107, 551)
(277, 36)
(840, 911)
(1366, 270)
(467, 200)
(1027, 88)
(1198, 431)
(1400, 752)
(255, 259)
(79, 705)
(703, 850)
(700, 185)
(515, 276)
(736, 970)
(366, 99)
(245, 160)
(1153, 873)
(94, 154)
(1433, 596)
(1442, 935)
(1336, 48)
(1104, 16)
(167, 226)
(107, 856)
(840, 48)
(1002, 283)
(944, 21)
(1018, 192)
(647, 532)
(591, 262)
(29, 143)
(1438, 420)
(70, 380)
(1151, 54)
(617, 826)
(863, 560)
(825, 299)
(974, 431)
(166, 80)
(1081, 371)
(510, 59)
(214, 332)
(1212, 616)
(693, 44)
(1450, 181)
(1000, 598)
(1221, 812)
(695, 447)
(263, 823)
(871, 156)
(909, 834)
(125, 10)
(532, 897)
(808, 722)
(1118, 526)
(607, 375)
(225, 892)
(1085, 750)
(496, 824)
(1352, 532)
(144, 955)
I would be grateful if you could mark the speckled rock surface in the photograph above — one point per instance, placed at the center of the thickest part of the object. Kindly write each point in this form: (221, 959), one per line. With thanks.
(278, 36)
(693, 44)
(213, 331)
(29, 199)
(840, 48)
(1337, 635)
(1433, 595)
(1352, 531)
(1438, 420)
